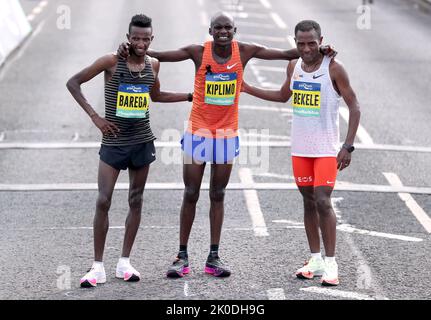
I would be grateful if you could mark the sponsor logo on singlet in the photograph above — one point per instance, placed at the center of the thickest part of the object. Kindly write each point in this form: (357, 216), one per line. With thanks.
(133, 100)
(306, 99)
(220, 88)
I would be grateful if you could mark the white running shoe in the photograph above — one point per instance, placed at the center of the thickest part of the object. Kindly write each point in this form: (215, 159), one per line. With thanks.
(126, 272)
(330, 276)
(96, 275)
(312, 268)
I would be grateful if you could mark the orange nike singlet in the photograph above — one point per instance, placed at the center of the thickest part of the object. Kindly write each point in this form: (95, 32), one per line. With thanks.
(216, 93)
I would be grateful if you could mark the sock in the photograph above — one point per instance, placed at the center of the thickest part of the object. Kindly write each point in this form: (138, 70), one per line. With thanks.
(329, 259)
(98, 264)
(213, 251)
(124, 260)
(317, 255)
(183, 250)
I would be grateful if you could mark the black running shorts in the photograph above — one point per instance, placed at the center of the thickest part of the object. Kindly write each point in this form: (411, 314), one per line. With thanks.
(133, 157)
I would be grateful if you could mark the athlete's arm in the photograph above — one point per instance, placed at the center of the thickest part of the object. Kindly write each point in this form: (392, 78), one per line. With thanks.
(341, 83)
(253, 50)
(184, 53)
(281, 95)
(163, 96)
(103, 64)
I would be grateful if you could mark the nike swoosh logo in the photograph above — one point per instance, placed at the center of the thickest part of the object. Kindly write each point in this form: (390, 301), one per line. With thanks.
(315, 77)
(330, 182)
(153, 154)
(230, 67)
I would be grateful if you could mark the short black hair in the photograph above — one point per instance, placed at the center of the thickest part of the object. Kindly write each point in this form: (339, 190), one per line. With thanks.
(308, 25)
(140, 20)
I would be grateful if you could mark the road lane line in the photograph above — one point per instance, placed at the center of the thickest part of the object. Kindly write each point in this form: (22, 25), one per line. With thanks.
(37, 10)
(365, 279)
(175, 144)
(291, 41)
(278, 21)
(253, 205)
(362, 134)
(266, 4)
(348, 228)
(276, 294)
(256, 37)
(2, 135)
(414, 207)
(205, 186)
(204, 19)
(338, 293)
(243, 23)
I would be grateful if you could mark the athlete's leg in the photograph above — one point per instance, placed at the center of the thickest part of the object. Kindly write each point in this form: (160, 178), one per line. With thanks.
(192, 176)
(107, 176)
(327, 218)
(325, 175)
(220, 174)
(138, 178)
(311, 218)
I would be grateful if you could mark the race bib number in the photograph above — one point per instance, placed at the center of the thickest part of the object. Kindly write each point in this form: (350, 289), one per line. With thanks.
(306, 99)
(220, 88)
(132, 100)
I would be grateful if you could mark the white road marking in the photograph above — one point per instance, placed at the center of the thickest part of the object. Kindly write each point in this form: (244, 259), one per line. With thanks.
(414, 207)
(176, 144)
(350, 229)
(266, 136)
(233, 7)
(291, 41)
(271, 69)
(362, 134)
(255, 37)
(275, 175)
(365, 279)
(75, 137)
(205, 186)
(253, 205)
(186, 289)
(338, 293)
(2, 135)
(37, 10)
(204, 19)
(263, 108)
(275, 294)
(266, 4)
(200, 3)
(278, 21)
(243, 23)
(247, 15)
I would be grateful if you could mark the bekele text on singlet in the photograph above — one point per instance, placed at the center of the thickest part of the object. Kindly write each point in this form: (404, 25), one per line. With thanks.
(306, 99)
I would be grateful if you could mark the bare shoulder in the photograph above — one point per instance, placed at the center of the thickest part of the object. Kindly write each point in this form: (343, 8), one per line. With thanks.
(109, 60)
(336, 66)
(155, 63)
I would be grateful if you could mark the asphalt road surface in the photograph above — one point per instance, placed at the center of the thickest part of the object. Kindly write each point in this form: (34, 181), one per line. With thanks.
(49, 158)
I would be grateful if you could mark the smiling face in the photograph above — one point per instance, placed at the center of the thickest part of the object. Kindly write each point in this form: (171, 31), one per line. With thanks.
(308, 44)
(222, 29)
(140, 39)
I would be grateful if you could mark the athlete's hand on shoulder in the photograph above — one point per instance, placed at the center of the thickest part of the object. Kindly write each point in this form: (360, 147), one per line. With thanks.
(123, 50)
(343, 159)
(105, 126)
(329, 51)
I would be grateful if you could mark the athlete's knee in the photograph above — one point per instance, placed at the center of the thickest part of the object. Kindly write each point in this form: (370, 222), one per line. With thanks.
(217, 194)
(324, 205)
(135, 199)
(103, 202)
(191, 194)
